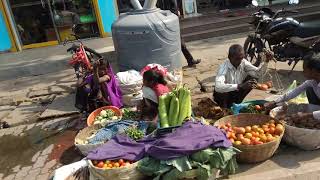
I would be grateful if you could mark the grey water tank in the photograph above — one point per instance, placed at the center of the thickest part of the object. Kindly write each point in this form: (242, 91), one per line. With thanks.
(147, 36)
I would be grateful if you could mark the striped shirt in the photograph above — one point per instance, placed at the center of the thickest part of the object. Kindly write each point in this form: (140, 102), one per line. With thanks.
(228, 77)
(295, 92)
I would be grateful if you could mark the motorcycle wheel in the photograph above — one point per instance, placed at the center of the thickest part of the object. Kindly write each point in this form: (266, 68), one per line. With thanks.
(252, 47)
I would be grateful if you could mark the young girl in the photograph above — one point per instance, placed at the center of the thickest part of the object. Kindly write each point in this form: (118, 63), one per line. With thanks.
(154, 85)
(311, 71)
(98, 89)
(155, 80)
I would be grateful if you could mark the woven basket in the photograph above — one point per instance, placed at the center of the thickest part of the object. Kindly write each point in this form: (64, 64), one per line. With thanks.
(82, 137)
(128, 172)
(252, 153)
(306, 139)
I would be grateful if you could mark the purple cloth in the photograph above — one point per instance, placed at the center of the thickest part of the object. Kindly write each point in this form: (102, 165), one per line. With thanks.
(115, 94)
(186, 140)
(112, 87)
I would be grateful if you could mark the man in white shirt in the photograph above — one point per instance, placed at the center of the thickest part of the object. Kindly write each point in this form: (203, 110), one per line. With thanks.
(311, 71)
(235, 78)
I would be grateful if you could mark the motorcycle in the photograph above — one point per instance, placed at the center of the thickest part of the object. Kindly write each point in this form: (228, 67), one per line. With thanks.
(286, 37)
(82, 56)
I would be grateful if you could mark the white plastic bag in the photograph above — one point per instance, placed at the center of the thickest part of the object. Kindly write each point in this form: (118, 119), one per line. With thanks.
(65, 171)
(129, 77)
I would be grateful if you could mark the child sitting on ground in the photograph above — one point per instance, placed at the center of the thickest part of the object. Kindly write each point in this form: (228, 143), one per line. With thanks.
(154, 85)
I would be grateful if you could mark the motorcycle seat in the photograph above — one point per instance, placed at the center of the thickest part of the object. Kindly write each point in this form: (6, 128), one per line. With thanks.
(308, 29)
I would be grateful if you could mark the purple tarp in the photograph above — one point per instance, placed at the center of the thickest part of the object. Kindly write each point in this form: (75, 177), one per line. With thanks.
(186, 140)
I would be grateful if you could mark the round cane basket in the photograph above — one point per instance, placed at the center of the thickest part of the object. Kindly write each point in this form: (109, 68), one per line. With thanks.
(252, 153)
(306, 139)
(82, 137)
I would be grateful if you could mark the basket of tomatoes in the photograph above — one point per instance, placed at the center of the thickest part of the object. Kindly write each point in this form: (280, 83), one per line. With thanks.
(257, 136)
(115, 169)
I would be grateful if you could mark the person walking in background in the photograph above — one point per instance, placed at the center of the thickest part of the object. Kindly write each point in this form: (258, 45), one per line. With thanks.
(173, 6)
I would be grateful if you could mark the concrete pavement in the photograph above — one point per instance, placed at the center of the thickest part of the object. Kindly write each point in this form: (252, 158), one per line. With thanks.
(39, 61)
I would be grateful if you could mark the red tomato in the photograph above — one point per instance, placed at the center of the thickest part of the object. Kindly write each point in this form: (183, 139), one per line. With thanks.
(121, 161)
(100, 164)
(122, 164)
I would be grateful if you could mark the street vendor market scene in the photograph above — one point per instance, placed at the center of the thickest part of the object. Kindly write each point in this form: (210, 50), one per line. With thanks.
(162, 95)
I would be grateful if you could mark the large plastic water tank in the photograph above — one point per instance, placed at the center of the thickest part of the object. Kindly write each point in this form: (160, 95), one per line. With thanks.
(147, 36)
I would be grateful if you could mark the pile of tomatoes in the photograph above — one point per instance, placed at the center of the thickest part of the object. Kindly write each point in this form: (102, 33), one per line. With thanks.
(253, 135)
(111, 164)
(264, 86)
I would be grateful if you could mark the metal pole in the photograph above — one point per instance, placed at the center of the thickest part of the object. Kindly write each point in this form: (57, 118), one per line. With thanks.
(136, 4)
(53, 22)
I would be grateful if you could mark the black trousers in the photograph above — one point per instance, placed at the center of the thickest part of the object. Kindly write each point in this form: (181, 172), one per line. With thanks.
(312, 97)
(186, 52)
(225, 100)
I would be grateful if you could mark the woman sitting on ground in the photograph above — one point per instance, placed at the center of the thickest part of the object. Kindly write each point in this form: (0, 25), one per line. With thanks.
(98, 89)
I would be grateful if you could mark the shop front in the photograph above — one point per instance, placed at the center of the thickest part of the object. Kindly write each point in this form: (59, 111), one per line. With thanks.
(38, 23)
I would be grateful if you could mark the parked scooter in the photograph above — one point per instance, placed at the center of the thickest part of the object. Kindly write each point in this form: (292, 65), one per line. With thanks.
(82, 56)
(286, 37)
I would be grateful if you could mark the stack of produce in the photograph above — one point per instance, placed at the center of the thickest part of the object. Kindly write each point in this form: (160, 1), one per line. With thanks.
(114, 169)
(105, 117)
(253, 135)
(300, 132)
(254, 109)
(106, 164)
(307, 123)
(210, 110)
(175, 107)
(264, 86)
(129, 114)
(134, 133)
(200, 165)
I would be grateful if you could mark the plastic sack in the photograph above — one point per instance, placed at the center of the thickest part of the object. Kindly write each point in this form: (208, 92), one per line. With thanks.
(132, 99)
(65, 171)
(301, 99)
(129, 77)
(236, 108)
(122, 173)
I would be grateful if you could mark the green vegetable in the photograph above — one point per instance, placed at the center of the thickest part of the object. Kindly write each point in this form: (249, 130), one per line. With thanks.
(251, 109)
(199, 165)
(134, 133)
(163, 112)
(167, 101)
(185, 105)
(174, 107)
(174, 111)
(129, 114)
